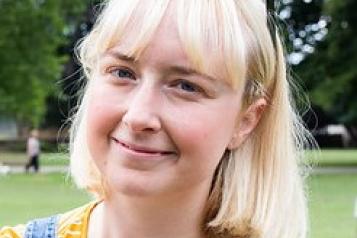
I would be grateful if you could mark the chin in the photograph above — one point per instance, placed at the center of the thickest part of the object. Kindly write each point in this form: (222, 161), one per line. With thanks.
(135, 184)
(131, 190)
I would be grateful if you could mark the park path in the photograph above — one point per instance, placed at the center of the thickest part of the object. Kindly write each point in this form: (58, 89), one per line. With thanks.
(43, 169)
(316, 170)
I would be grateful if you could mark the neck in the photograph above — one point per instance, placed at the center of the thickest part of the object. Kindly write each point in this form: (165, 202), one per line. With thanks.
(179, 215)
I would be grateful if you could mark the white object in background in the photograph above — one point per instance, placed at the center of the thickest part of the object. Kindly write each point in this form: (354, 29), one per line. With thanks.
(4, 169)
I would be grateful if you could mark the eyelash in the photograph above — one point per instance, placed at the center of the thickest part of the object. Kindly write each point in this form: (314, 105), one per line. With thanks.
(116, 73)
(193, 88)
(180, 84)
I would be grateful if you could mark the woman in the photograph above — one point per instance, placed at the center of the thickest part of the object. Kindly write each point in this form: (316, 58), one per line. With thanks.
(185, 128)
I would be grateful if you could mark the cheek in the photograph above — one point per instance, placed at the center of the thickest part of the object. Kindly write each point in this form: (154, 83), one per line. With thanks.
(103, 115)
(203, 135)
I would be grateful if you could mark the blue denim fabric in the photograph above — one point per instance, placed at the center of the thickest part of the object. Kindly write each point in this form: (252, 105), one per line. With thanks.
(42, 228)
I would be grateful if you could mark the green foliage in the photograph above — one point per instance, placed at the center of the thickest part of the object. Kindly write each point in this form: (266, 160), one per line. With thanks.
(298, 18)
(330, 73)
(31, 32)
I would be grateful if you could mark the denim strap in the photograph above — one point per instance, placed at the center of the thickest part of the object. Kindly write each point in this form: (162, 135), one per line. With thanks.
(42, 228)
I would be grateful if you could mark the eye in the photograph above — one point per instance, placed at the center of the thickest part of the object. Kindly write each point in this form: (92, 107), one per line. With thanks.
(188, 86)
(122, 73)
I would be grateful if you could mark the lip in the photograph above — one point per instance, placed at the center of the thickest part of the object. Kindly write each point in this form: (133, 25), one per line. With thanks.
(141, 150)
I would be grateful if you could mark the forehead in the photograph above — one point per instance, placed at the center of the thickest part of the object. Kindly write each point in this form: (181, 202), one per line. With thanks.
(164, 40)
(197, 36)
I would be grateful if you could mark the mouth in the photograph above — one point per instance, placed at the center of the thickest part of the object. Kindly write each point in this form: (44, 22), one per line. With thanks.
(142, 149)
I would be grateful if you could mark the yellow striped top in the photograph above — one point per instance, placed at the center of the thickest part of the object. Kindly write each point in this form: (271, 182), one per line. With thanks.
(73, 224)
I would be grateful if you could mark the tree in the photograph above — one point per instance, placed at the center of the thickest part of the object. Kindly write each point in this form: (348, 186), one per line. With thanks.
(31, 32)
(330, 73)
(61, 106)
(303, 25)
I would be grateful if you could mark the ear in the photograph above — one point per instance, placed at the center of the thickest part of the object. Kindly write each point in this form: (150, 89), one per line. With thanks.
(247, 122)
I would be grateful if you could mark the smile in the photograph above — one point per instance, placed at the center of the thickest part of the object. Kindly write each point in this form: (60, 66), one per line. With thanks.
(141, 150)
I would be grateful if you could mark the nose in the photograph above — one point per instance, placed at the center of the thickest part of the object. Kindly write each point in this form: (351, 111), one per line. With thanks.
(141, 113)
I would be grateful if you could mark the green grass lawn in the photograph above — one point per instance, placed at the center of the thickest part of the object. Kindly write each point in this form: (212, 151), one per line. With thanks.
(332, 199)
(12, 158)
(328, 157)
(36, 195)
(316, 158)
(27, 196)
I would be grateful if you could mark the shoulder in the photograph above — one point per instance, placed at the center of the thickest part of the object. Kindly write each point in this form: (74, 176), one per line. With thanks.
(12, 232)
(75, 222)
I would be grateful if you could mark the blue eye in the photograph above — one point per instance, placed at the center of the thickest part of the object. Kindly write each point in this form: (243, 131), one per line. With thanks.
(122, 73)
(188, 87)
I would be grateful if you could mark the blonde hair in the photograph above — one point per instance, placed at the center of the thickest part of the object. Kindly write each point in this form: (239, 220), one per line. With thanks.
(257, 190)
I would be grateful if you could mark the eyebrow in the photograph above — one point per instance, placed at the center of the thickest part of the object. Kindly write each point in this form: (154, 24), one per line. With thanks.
(188, 71)
(170, 69)
(120, 56)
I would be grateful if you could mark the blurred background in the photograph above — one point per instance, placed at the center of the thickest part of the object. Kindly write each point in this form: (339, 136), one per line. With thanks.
(39, 88)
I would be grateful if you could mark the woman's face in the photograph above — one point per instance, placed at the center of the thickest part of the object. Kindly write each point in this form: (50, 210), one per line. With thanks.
(155, 125)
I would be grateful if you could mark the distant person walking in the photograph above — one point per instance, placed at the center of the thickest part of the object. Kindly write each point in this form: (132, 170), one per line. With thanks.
(33, 151)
